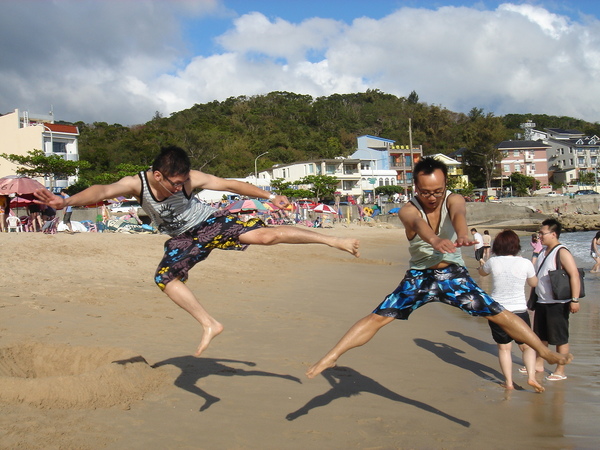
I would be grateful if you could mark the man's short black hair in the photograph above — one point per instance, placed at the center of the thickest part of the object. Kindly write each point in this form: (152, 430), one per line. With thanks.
(172, 161)
(553, 225)
(427, 165)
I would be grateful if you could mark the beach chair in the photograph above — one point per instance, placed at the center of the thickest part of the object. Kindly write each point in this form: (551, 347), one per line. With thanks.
(51, 226)
(14, 224)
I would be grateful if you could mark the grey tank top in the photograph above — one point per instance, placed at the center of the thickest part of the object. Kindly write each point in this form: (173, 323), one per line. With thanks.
(175, 214)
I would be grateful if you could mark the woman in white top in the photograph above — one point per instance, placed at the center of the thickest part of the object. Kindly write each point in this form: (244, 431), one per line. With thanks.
(511, 271)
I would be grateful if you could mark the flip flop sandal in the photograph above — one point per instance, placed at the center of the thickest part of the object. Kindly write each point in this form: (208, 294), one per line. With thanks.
(556, 377)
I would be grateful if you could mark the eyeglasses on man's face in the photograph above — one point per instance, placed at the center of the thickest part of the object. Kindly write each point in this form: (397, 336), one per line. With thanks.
(175, 185)
(436, 194)
(544, 234)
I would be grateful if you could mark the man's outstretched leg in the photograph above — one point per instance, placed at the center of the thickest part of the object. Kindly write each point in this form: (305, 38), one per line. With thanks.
(185, 298)
(519, 331)
(292, 235)
(359, 334)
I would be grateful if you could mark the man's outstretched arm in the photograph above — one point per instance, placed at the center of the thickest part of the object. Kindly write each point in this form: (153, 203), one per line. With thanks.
(127, 187)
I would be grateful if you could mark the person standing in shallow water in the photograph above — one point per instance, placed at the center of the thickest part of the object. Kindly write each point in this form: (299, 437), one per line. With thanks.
(595, 253)
(165, 192)
(436, 227)
(510, 273)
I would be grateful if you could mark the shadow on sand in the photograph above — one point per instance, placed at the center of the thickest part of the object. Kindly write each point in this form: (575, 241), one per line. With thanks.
(488, 347)
(451, 355)
(346, 382)
(193, 369)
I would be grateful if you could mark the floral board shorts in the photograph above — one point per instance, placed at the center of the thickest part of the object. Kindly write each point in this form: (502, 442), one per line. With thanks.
(222, 230)
(451, 285)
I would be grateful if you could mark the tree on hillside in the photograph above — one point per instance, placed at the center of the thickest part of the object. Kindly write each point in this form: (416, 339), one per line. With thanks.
(482, 135)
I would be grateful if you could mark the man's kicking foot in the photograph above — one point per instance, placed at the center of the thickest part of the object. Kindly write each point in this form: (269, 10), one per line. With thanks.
(349, 245)
(210, 332)
(323, 364)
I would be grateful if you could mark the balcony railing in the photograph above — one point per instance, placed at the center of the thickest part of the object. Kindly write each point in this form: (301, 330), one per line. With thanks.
(67, 156)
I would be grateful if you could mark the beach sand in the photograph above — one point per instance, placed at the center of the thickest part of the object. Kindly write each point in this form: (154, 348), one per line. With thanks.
(93, 355)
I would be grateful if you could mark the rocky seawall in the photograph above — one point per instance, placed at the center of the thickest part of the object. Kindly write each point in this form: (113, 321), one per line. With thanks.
(527, 213)
(579, 221)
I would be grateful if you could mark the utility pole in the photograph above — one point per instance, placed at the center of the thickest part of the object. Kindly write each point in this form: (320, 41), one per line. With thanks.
(410, 144)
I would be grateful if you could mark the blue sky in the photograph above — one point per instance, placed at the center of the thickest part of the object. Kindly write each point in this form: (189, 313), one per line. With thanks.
(121, 61)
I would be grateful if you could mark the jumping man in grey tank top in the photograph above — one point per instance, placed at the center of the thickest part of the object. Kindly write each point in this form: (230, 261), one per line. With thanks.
(165, 193)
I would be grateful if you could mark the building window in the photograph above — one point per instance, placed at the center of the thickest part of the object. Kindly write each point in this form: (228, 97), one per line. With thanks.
(349, 169)
(515, 152)
(330, 168)
(506, 168)
(517, 167)
(348, 185)
(59, 147)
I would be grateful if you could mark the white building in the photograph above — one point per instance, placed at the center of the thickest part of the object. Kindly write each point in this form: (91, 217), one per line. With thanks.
(359, 174)
(21, 133)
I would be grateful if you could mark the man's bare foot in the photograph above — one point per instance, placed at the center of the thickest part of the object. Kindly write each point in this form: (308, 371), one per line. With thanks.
(208, 335)
(349, 245)
(535, 385)
(316, 369)
(507, 386)
(558, 358)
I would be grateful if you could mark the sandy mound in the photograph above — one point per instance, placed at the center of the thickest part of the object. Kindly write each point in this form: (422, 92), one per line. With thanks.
(61, 376)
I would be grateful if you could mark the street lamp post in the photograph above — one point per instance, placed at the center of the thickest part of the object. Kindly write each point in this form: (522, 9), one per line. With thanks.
(255, 167)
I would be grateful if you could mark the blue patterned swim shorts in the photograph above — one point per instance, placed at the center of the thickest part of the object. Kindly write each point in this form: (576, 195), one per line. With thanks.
(222, 230)
(451, 285)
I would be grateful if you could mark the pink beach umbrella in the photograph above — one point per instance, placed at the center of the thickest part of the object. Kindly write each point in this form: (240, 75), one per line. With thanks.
(14, 184)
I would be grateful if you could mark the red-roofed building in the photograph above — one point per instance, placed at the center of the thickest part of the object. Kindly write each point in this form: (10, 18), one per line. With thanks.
(21, 133)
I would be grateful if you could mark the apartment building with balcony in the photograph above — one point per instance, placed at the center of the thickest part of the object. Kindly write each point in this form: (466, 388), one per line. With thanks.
(346, 170)
(527, 157)
(571, 155)
(21, 133)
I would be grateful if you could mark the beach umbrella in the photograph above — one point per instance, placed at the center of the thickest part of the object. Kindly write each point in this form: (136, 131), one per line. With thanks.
(323, 208)
(14, 184)
(246, 206)
(271, 207)
(20, 202)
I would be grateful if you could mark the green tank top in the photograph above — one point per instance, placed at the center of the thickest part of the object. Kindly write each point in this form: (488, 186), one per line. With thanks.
(422, 254)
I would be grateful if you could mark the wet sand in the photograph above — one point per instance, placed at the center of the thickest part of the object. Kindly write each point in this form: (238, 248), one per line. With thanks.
(93, 355)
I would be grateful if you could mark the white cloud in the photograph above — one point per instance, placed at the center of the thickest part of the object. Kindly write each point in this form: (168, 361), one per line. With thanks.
(121, 61)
